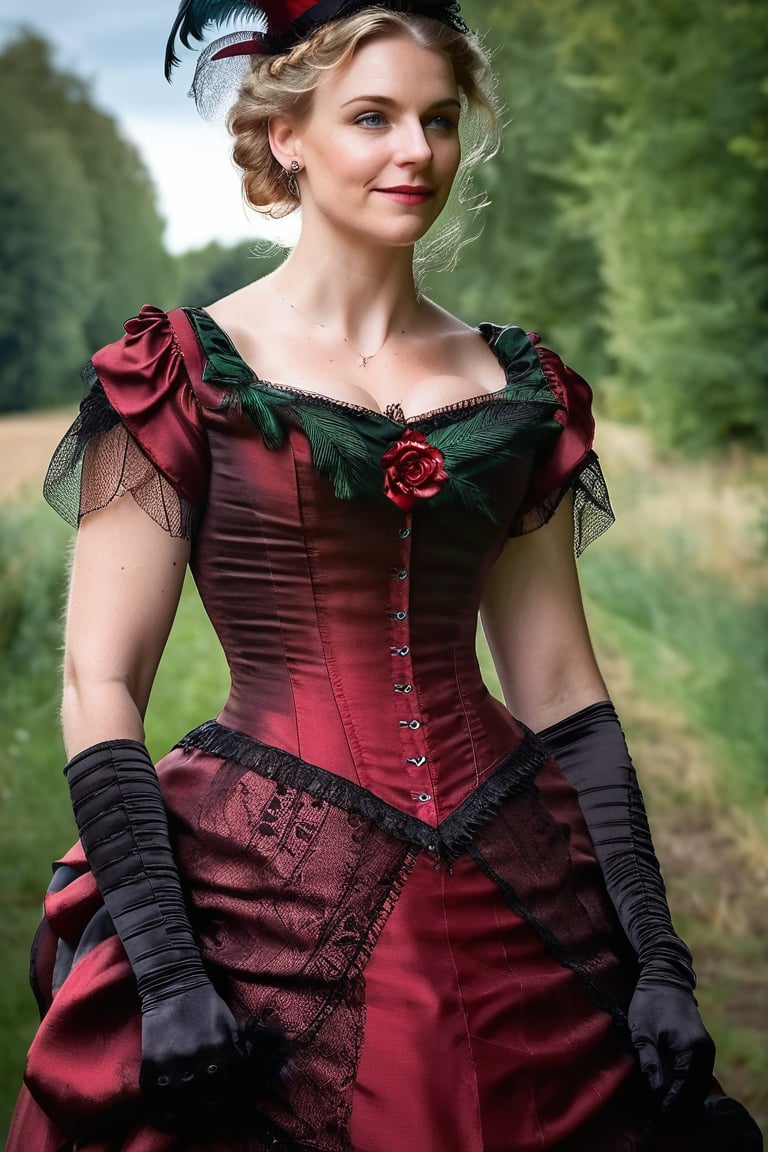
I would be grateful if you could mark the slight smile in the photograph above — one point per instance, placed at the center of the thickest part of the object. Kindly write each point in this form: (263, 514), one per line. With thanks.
(408, 193)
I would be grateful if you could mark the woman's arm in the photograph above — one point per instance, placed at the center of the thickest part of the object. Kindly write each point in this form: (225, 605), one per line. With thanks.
(534, 622)
(126, 581)
(537, 632)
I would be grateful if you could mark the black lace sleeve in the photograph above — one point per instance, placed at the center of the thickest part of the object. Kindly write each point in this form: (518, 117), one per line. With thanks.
(592, 511)
(98, 460)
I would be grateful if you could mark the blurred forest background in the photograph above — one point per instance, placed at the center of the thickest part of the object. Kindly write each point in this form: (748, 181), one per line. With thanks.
(629, 225)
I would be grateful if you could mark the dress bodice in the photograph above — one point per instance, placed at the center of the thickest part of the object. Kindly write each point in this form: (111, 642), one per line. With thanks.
(343, 586)
(349, 626)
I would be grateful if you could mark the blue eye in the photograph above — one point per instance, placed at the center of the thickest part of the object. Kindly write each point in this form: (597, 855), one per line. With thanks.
(443, 122)
(371, 120)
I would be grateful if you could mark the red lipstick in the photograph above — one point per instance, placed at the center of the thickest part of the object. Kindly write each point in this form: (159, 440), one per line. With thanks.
(408, 193)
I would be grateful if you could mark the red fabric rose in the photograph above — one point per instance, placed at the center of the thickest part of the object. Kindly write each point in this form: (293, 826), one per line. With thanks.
(413, 470)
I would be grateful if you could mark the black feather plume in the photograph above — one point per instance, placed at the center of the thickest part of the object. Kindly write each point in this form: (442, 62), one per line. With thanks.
(195, 16)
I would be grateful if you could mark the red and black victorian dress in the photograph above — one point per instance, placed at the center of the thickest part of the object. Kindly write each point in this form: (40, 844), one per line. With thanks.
(377, 856)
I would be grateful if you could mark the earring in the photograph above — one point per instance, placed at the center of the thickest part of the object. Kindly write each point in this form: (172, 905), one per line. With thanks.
(293, 184)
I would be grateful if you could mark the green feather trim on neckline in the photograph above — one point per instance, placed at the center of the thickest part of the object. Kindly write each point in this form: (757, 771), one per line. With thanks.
(347, 440)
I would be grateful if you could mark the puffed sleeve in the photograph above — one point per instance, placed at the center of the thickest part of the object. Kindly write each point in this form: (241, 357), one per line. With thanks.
(139, 429)
(569, 463)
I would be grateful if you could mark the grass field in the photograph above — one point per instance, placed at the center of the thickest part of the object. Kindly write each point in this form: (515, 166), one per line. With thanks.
(677, 600)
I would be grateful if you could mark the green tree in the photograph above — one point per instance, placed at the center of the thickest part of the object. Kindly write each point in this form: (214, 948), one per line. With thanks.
(47, 256)
(675, 179)
(533, 263)
(628, 221)
(206, 274)
(133, 265)
(81, 243)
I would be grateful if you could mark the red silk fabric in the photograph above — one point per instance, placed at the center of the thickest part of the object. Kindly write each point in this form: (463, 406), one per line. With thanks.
(146, 378)
(349, 627)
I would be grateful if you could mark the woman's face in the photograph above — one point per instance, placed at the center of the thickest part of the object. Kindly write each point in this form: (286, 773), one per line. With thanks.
(380, 144)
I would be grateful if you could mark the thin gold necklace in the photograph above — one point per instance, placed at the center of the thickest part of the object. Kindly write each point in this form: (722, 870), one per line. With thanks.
(363, 358)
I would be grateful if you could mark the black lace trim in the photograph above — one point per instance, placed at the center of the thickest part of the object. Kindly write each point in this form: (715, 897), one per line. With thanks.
(555, 946)
(592, 511)
(508, 800)
(516, 773)
(98, 459)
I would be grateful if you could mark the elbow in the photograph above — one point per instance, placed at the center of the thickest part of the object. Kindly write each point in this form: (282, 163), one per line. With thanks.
(560, 698)
(97, 708)
(540, 691)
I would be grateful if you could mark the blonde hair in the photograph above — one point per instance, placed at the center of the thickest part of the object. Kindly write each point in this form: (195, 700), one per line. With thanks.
(282, 84)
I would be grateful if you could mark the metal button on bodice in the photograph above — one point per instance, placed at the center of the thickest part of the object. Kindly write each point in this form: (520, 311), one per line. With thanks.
(404, 688)
(402, 574)
(400, 651)
(404, 533)
(424, 797)
(419, 761)
(410, 724)
(399, 615)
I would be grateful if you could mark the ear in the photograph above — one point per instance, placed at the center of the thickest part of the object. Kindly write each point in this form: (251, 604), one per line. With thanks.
(284, 140)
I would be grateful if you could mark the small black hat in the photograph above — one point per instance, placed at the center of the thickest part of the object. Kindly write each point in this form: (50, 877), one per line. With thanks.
(284, 23)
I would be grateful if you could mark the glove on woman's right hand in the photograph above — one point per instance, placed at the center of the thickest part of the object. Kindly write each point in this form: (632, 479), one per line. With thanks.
(195, 1061)
(189, 1043)
(199, 1072)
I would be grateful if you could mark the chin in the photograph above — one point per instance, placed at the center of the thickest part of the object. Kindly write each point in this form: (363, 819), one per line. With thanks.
(384, 227)
(408, 230)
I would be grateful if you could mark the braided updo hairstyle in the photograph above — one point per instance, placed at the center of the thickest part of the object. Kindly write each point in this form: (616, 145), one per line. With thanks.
(285, 83)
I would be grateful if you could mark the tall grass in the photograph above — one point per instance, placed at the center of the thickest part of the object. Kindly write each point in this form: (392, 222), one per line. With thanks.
(33, 548)
(35, 820)
(32, 552)
(698, 644)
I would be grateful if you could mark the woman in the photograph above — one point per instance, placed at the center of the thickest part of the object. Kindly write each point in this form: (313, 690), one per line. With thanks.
(374, 917)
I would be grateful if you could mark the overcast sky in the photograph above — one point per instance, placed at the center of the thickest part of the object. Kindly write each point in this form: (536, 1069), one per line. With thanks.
(119, 49)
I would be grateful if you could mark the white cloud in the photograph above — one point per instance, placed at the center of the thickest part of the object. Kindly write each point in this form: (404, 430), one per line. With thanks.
(120, 52)
(198, 186)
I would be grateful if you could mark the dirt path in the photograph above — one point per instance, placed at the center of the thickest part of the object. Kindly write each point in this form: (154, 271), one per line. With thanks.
(26, 443)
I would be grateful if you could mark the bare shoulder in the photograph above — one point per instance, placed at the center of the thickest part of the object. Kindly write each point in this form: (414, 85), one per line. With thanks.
(238, 309)
(444, 323)
(252, 319)
(461, 345)
(245, 297)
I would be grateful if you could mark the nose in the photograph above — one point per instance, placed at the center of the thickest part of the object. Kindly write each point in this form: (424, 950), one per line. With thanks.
(413, 146)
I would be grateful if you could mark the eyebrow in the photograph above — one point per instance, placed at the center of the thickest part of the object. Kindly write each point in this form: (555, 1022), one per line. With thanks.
(449, 100)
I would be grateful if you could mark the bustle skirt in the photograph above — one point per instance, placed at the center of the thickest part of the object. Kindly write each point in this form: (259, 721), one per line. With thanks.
(458, 989)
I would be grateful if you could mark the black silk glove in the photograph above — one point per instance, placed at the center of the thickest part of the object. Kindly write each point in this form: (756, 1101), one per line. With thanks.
(675, 1051)
(193, 1053)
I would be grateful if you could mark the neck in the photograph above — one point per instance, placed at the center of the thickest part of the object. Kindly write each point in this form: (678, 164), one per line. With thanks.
(361, 294)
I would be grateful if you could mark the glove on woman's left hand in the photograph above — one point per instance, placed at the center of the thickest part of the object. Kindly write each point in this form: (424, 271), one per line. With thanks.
(675, 1051)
